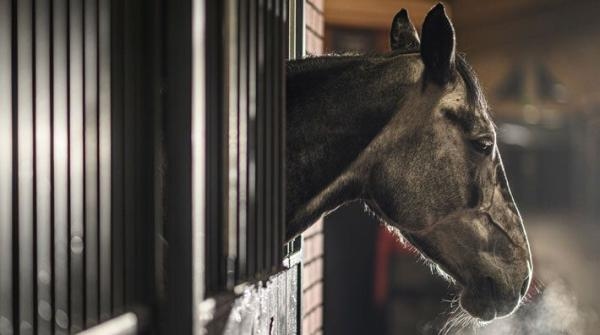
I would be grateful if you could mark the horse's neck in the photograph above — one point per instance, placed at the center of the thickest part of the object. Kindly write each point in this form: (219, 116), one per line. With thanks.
(336, 106)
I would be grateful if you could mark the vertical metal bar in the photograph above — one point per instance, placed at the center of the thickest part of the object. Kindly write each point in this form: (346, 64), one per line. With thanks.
(117, 158)
(155, 237)
(241, 41)
(43, 166)
(291, 28)
(25, 154)
(104, 152)
(280, 58)
(76, 169)
(217, 122)
(216, 228)
(198, 132)
(268, 130)
(185, 45)
(233, 196)
(300, 29)
(131, 152)
(276, 79)
(259, 106)
(61, 165)
(282, 127)
(6, 173)
(91, 160)
(276, 141)
(249, 100)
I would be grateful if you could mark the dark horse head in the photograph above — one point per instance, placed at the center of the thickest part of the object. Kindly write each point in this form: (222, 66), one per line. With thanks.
(410, 134)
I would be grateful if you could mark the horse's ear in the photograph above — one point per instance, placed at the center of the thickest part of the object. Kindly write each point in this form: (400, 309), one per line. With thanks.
(438, 47)
(403, 36)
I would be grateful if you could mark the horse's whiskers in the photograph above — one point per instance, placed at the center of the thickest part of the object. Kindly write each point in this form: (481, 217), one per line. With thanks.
(457, 319)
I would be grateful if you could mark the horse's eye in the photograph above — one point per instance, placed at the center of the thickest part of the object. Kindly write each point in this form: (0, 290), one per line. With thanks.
(483, 145)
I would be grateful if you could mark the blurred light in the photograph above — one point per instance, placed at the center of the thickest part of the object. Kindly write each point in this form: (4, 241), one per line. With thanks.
(531, 114)
(560, 92)
(552, 118)
(514, 134)
(126, 324)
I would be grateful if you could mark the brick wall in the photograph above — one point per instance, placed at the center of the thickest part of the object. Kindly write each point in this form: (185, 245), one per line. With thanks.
(313, 247)
(315, 26)
(312, 280)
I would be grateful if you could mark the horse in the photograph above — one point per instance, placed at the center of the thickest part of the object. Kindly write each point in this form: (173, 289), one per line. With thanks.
(409, 134)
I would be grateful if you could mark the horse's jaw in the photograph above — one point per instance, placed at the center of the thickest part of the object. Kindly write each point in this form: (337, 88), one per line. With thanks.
(463, 249)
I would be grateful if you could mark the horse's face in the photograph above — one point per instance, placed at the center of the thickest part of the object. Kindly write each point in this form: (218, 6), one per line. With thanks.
(441, 181)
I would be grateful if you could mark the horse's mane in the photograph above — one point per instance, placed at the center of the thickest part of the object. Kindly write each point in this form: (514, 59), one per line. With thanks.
(329, 62)
(475, 94)
(339, 62)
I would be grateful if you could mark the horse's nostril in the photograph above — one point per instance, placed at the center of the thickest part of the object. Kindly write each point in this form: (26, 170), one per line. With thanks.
(525, 286)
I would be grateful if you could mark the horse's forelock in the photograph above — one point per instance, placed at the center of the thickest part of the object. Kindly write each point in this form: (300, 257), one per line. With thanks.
(475, 96)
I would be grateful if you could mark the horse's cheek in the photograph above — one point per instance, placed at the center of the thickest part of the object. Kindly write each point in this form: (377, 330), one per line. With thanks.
(392, 193)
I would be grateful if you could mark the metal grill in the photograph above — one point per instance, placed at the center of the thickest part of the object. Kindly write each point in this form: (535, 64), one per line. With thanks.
(70, 196)
(101, 204)
(246, 229)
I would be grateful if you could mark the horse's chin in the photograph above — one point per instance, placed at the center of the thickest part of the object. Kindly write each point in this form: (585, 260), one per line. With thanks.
(481, 309)
(484, 310)
(471, 300)
(475, 307)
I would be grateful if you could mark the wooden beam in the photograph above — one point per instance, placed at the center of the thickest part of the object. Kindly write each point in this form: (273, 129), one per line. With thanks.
(547, 23)
(374, 14)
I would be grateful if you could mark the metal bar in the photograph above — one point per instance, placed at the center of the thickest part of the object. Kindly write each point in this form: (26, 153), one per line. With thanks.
(300, 24)
(6, 167)
(43, 162)
(60, 165)
(184, 33)
(198, 161)
(104, 152)
(25, 163)
(291, 28)
(268, 130)
(275, 54)
(233, 196)
(117, 158)
(260, 137)
(126, 324)
(155, 237)
(76, 160)
(242, 82)
(278, 57)
(250, 101)
(217, 206)
(131, 134)
(91, 160)
(282, 126)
